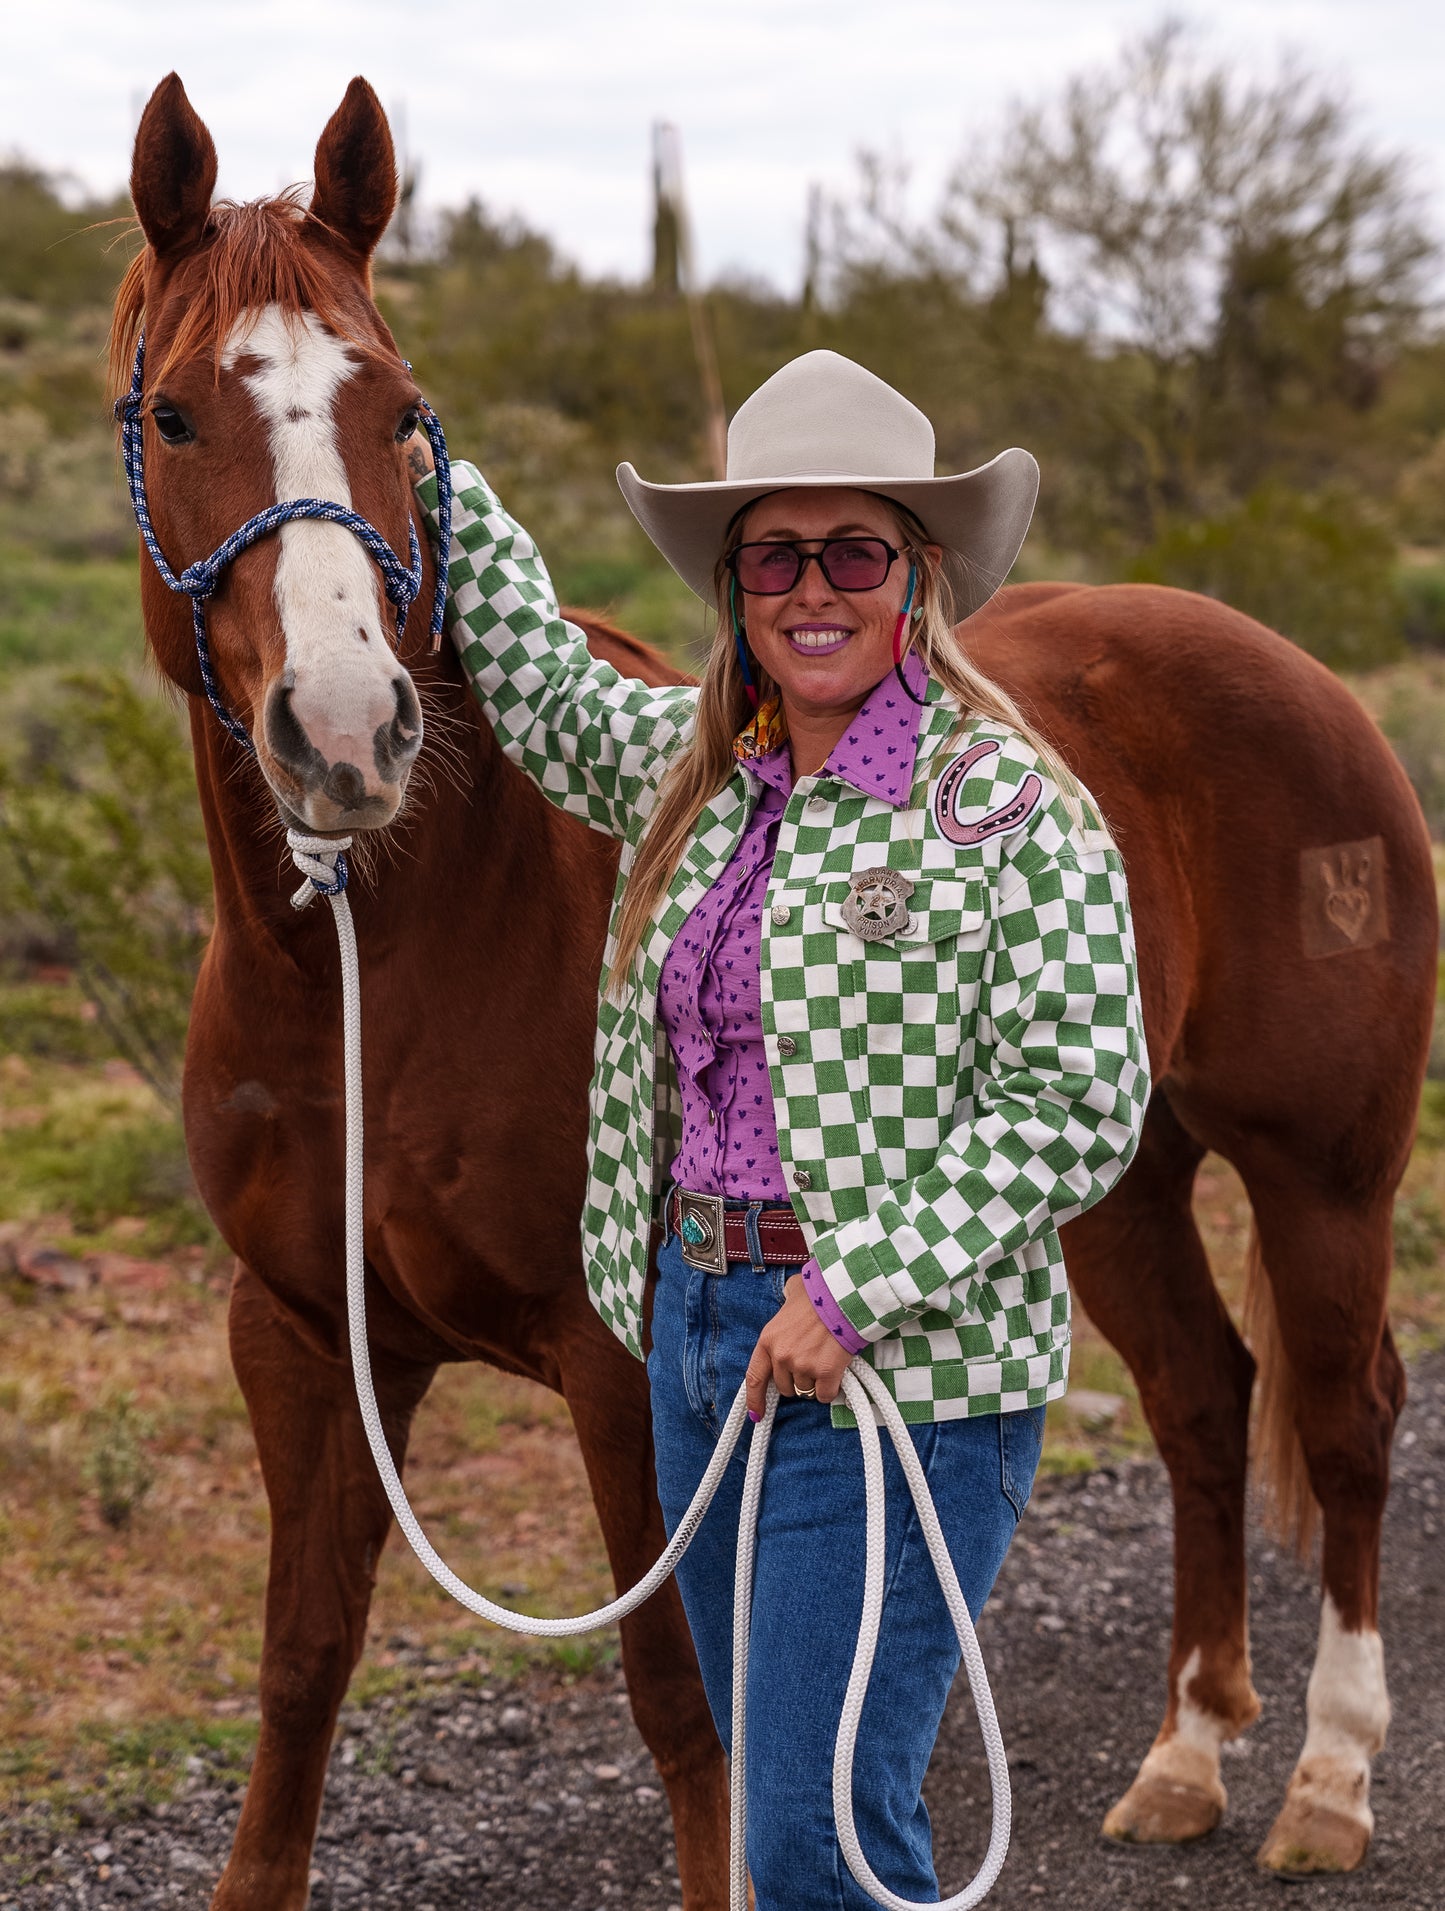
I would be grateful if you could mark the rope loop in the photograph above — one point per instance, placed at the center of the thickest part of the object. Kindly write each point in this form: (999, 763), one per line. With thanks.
(322, 861)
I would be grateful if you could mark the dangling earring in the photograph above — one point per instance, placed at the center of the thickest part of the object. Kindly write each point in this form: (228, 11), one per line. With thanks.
(749, 685)
(898, 630)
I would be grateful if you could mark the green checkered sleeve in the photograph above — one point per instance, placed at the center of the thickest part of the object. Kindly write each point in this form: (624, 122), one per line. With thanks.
(592, 740)
(1057, 1112)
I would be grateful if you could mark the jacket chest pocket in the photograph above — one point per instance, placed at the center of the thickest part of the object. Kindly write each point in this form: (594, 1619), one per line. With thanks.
(910, 990)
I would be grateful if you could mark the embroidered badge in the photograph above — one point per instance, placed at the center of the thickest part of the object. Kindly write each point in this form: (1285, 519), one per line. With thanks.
(1020, 806)
(877, 903)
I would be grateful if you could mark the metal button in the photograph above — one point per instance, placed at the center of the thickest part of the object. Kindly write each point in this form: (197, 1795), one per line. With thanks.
(781, 913)
(802, 1179)
(786, 1045)
(711, 1116)
(817, 803)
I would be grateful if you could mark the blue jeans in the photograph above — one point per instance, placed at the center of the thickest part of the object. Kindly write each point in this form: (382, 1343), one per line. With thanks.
(808, 1589)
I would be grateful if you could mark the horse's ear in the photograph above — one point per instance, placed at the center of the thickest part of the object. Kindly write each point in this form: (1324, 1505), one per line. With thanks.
(173, 172)
(356, 172)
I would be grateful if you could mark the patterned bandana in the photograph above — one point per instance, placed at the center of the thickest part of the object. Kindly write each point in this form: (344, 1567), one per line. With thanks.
(763, 732)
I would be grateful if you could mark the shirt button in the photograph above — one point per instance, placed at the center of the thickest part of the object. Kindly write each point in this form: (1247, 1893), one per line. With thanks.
(711, 1117)
(781, 913)
(786, 1045)
(802, 1179)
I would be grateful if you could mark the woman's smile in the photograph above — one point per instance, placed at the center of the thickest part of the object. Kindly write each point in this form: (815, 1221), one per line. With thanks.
(817, 640)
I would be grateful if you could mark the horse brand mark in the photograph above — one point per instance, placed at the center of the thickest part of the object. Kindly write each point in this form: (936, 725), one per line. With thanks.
(997, 822)
(877, 903)
(1342, 897)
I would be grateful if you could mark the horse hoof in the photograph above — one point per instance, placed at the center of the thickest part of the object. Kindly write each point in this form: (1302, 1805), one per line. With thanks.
(1164, 1811)
(1309, 1838)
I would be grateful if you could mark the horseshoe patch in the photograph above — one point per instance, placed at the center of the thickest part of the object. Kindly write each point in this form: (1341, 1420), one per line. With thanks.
(1018, 809)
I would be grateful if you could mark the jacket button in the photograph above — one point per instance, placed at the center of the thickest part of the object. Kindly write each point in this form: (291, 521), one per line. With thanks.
(781, 913)
(786, 1045)
(816, 803)
(802, 1179)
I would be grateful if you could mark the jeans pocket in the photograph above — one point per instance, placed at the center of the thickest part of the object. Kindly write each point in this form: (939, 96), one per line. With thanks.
(1020, 1443)
(778, 1280)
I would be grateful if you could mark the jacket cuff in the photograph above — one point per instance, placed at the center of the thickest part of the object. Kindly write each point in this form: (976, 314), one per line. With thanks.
(828, 1310)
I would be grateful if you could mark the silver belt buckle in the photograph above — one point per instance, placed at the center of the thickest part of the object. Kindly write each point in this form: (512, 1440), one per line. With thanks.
(700, 1231)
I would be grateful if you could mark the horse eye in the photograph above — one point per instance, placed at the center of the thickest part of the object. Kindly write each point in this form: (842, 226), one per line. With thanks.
(170, 424)
(408, 426)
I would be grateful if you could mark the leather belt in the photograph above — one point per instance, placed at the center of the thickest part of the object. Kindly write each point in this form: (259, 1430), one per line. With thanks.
(711, 1235)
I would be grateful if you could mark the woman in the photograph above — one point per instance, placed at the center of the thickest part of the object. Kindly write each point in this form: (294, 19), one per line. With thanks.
(869, 1032)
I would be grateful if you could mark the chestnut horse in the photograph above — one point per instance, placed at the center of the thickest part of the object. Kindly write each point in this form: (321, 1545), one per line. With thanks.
(270, 373)
(1285, 912)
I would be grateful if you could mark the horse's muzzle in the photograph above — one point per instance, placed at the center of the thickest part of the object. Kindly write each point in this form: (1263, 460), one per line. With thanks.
(341, 777)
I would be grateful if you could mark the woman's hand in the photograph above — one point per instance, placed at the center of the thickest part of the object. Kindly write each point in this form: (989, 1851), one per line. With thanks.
(795, 1348)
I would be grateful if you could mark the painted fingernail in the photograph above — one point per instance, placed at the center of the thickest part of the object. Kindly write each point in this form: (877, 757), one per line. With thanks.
(754, 1417)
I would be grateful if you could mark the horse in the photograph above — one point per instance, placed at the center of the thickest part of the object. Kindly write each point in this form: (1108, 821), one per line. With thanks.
(1283, 893)
(271, 374)
(1286, 924)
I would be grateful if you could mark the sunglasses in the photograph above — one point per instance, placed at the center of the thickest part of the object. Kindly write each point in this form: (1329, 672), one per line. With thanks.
(848, 564)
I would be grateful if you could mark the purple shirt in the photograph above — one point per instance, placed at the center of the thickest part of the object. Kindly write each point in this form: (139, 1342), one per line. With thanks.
(710, 995)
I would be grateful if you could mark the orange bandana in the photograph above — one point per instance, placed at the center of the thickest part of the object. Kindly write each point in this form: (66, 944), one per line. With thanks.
(763, 733)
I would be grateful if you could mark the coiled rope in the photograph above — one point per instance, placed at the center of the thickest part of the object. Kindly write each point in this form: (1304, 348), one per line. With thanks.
(317, 859)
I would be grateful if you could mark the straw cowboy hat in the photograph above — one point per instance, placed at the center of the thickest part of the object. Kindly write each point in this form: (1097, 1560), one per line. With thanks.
(822, 420)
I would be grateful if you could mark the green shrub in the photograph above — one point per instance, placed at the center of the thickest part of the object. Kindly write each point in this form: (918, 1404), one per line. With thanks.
(1316, 569)
(1422, 598)
(101, 839)
(117, 1466)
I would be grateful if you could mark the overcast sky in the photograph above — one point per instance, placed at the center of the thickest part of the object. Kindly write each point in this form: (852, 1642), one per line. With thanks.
(545, 109)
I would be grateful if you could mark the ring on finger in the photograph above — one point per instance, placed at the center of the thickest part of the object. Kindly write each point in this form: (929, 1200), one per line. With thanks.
(805, 1393)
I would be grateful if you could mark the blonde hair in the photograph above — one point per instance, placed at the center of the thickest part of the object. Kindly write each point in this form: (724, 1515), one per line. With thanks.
(703, 767)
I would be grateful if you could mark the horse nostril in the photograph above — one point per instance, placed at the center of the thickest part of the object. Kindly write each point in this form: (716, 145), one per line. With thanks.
(397, 742)
(287, 740)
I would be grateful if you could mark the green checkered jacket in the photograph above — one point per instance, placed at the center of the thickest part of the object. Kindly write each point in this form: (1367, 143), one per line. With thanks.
(945, 1097)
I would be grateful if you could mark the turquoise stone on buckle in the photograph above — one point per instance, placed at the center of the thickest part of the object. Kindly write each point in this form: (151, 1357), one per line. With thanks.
(700, 1231)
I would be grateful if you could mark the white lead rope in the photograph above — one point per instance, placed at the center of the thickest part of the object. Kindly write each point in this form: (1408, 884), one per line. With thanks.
(315, 857)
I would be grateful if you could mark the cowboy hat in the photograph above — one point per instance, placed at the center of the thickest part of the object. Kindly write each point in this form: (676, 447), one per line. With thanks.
(822, 420)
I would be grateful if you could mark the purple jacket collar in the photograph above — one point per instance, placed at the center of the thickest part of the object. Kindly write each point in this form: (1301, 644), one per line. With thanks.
(875, 753)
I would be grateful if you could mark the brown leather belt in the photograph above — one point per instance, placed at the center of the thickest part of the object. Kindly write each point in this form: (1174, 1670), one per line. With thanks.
(711, 1235)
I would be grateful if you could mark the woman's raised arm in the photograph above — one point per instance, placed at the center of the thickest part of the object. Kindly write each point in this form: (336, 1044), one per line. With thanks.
(594, 742)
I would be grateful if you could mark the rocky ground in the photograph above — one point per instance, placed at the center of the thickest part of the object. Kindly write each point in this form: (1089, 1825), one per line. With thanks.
(540, 1797)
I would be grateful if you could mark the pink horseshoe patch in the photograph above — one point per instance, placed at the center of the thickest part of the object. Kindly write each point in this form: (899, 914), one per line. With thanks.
(997, 822)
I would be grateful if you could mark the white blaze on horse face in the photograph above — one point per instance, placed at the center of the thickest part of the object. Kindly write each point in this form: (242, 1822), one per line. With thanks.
(341, 675)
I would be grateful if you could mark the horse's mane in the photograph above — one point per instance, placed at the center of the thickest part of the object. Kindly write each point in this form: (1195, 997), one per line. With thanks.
(254, 254)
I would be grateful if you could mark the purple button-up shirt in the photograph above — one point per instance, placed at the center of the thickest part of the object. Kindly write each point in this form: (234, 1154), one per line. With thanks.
(710, 995)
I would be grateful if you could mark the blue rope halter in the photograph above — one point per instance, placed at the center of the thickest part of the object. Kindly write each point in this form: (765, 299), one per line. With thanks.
(402, 582)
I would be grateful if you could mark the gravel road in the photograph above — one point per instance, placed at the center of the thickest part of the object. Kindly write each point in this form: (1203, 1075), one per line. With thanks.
(539, 1796)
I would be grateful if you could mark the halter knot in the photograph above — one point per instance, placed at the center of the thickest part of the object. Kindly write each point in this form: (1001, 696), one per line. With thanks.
(322, 861)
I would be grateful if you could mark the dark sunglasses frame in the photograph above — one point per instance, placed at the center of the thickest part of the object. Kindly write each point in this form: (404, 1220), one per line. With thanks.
(819, 556)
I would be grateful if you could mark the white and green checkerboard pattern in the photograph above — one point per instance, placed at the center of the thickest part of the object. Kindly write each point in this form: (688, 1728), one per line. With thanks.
(945, 1099)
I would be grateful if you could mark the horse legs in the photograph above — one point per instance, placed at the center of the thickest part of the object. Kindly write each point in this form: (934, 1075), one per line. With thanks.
(1139, 1267)
(1328, 1265)
(329, 1518)
(606, 1390)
